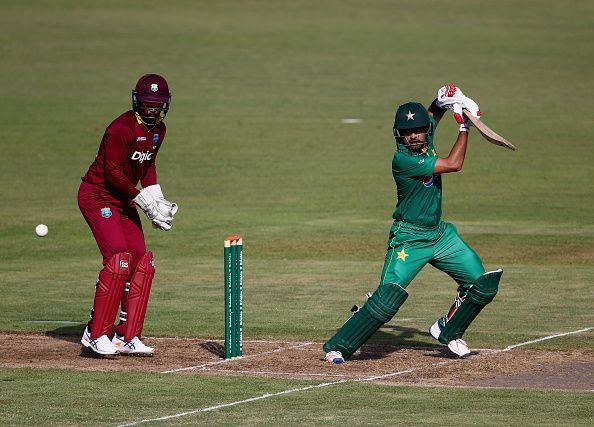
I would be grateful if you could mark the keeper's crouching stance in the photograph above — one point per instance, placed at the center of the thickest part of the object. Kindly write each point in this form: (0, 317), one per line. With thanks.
(418, 235)
(107, 199)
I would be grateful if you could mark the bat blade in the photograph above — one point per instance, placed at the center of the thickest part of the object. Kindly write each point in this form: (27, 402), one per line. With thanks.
(487, 133)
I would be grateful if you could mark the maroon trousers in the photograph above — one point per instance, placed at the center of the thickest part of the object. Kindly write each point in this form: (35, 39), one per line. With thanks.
(117, 229)
(115, 224)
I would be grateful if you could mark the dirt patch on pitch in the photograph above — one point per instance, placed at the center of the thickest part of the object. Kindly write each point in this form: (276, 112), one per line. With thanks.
(432, 365)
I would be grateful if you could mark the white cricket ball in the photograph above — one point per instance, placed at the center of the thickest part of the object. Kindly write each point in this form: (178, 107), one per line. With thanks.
(41, 230)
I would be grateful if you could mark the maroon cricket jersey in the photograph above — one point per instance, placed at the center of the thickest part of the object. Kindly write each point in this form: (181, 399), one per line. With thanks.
(126, 155)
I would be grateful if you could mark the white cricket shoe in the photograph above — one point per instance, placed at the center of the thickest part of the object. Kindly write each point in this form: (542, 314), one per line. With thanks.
(101, 345)
(334, 357)
(459, 348)
(135, 347)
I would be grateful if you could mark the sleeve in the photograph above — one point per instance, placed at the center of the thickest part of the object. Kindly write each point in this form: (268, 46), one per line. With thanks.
(413, 166)
(116, 156)
(150, 176)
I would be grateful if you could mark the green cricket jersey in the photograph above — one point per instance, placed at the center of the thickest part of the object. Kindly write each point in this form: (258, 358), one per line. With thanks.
(418, 190)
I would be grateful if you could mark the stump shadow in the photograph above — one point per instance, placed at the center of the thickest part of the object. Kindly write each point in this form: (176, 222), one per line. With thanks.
(213, 347)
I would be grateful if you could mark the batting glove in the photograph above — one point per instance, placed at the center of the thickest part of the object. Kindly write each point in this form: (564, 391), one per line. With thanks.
(465, 125)
(451, 97)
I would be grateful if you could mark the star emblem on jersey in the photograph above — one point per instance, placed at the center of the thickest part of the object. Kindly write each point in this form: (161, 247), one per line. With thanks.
(410, 116)
(402, 255)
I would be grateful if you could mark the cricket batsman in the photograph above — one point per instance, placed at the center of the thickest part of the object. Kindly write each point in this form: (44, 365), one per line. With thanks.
(107, 198)
(418, 234)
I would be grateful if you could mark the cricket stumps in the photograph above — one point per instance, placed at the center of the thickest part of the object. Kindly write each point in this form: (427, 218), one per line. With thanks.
(233, 254)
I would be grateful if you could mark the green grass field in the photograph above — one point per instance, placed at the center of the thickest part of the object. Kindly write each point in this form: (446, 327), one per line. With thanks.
(256, 146)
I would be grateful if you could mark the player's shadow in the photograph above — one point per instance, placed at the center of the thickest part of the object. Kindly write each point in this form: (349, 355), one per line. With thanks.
(70, 333)
(389, 340)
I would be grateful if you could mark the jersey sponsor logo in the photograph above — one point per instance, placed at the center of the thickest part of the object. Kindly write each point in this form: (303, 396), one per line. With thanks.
(155, 139)
(141, 156)
(428, 180)
(105, 212)
(140, 138)
(124, 264)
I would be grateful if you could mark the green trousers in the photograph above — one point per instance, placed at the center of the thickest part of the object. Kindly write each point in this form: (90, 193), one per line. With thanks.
(411, 247)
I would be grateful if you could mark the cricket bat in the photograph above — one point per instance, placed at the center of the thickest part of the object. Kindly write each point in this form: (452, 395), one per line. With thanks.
(488, 133)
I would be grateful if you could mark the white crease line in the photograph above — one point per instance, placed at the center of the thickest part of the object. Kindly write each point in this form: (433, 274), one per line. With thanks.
(546, 338)
(234, 371)
(407, 371)
(225, 405)
(204, 365)
(205, 341)
(294, 390)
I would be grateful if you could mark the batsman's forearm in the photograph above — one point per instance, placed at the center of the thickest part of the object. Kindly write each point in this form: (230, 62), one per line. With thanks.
(454, 162)
(458, 151)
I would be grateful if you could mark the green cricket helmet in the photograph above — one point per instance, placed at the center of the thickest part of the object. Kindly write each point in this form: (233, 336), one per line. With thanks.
(411, 115)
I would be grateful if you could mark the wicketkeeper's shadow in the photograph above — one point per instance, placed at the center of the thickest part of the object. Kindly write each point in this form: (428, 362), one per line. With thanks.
(391, 339)
(71, 333)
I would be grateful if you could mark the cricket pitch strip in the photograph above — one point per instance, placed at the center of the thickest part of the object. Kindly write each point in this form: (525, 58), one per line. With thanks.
(422, 366)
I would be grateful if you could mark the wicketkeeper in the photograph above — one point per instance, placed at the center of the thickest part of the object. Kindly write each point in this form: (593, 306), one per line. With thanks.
(419, 236)
(107, 199)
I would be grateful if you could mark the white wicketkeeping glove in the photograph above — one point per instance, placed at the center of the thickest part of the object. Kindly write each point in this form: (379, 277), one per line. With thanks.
(165, 207)
(146, 201)
(161, 225)
(451, 97)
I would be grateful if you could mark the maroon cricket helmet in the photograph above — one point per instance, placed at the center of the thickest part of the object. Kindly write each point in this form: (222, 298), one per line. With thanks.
(151, 89)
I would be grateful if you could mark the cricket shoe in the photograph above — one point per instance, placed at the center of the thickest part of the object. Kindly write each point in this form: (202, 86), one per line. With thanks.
(457, 346)
(134, 347)
(334, 357)
(101, 345)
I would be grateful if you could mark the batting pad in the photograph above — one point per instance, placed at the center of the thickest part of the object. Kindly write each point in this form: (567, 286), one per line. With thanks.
(108, 293)
(379, 309)
(138, 296)
(479, 295)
